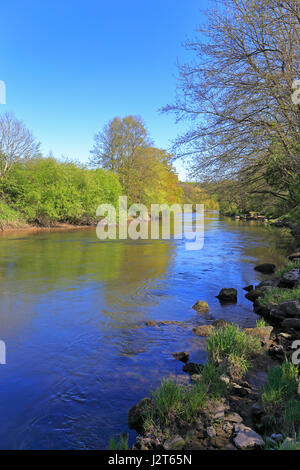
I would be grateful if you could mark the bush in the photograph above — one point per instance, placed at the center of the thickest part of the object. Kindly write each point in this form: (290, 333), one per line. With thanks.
(48, 191)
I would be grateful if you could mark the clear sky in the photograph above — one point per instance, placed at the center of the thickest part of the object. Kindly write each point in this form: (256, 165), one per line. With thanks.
(70, 66)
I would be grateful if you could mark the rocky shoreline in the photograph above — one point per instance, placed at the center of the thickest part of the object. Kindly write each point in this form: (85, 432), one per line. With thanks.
(239, 418)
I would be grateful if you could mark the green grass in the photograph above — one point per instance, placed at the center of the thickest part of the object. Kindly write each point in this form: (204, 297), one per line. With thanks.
(277, 296)
(122, 444)
(260, 323)
(287, 267)
(280, 399)
(172, 401)
(281, 383)
(231, 340)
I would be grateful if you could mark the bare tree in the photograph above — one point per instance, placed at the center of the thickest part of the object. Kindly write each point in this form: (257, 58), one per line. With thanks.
(16, 143)
(237, 92)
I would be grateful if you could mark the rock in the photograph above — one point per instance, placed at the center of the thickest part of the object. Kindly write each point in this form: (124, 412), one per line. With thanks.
(285, 335)
(249, 288)
(240, 391)
(256, 411)
(263, 333)
(269, 283)
(221, 323)
(136, 414)
(290, 443)
(227, 295)
(293, 323)
(294, 256)
(164, 323)
(151, 323)
(174, 443)
(196, 378)
(291, 279)
(276, 351)
(192, 368)
(257, 293)
(290, 308)
(277, 437)
(234, 418)
(225, 379)
(216, 411)
(265, 268)
(205, 330)
(181, 356)
(201, 306)
(246, 438)
(210, 431)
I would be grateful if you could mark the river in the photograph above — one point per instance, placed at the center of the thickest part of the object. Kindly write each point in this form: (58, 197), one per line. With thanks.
(72, 314)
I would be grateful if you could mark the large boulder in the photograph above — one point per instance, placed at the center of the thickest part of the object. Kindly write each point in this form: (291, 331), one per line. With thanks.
(291, 279)
(220, 323)
(227, 294)
(265, 268)
(246, 438)
(201, 306)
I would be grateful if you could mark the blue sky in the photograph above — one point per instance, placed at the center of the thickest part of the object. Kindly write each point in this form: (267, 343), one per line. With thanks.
(70, 66)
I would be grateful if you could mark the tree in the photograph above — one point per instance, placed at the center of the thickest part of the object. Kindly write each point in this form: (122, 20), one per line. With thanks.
(238, 95)
(16, 143)
(116, 146)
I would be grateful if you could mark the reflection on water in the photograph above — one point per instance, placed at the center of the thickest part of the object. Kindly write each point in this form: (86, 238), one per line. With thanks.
(72, 312)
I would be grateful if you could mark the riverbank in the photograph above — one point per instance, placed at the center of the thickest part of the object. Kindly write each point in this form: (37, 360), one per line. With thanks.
(247, 396)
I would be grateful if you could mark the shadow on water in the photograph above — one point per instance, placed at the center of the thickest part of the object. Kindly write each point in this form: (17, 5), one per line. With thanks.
(72, 313)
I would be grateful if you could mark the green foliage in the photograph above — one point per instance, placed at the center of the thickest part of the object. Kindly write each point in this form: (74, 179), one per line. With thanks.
(277, 296)
(281, 384)
(280, 398)
(122, 444)
(193, 193)
(45, 191)
(287, 267)
(172, 400)
(8, 214)
(231, 340)
(261, 323)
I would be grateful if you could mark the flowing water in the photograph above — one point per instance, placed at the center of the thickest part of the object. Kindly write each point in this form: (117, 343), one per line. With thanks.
(73, 312)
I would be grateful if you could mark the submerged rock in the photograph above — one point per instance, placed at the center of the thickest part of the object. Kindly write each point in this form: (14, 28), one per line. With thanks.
(227, 294)
(181, 356)
(221, 323)
(265, 268)
(192, 368)
(201, 306)
(204, 330)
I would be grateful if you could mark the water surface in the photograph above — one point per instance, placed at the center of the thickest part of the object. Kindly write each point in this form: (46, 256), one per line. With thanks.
(72, 313)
